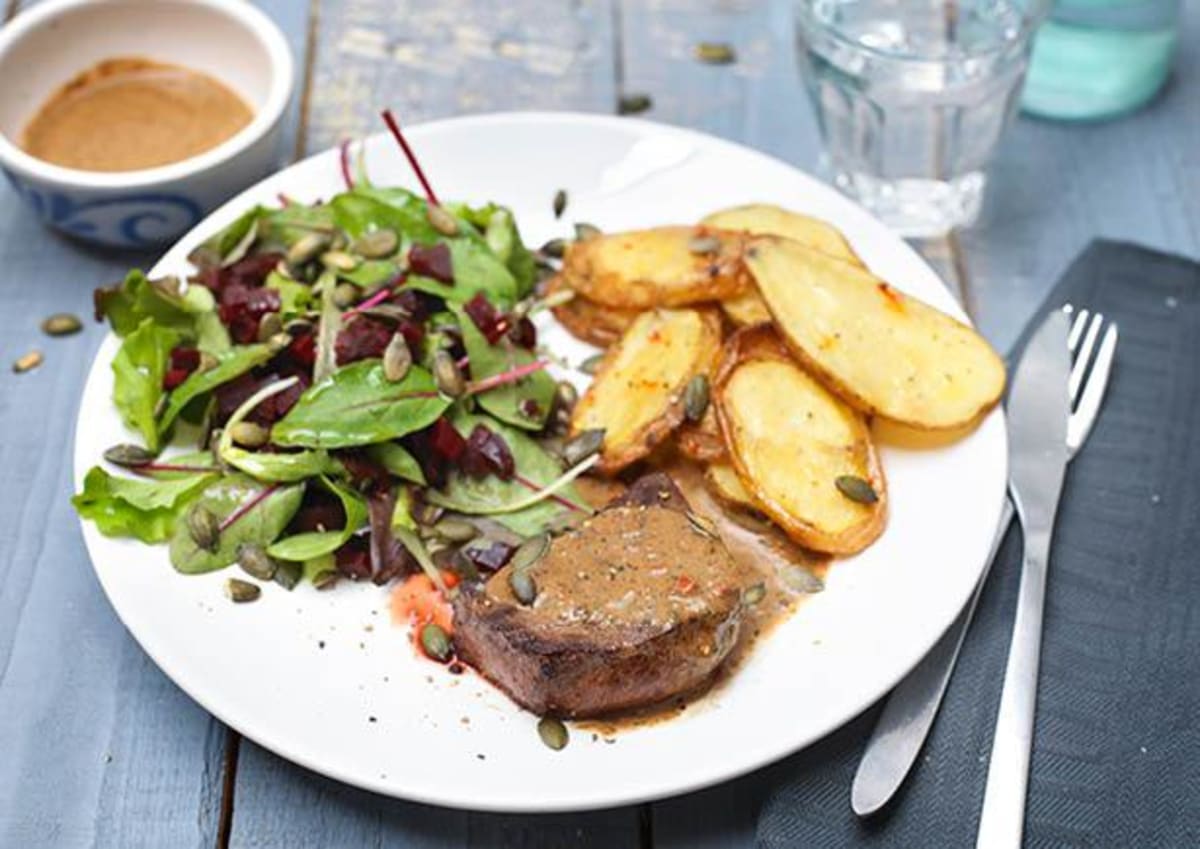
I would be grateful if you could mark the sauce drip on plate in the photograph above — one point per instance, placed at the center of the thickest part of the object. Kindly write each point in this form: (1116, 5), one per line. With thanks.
(129, 113)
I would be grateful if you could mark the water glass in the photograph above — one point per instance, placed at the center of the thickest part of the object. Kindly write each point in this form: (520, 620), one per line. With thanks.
(912, 97)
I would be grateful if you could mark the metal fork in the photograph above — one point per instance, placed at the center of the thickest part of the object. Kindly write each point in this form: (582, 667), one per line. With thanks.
(912, 706)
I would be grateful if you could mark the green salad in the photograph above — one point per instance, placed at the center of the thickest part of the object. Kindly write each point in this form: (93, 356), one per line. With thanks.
(350, 389)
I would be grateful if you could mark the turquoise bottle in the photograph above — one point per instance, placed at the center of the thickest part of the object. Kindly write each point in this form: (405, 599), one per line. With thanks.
(1096, 59)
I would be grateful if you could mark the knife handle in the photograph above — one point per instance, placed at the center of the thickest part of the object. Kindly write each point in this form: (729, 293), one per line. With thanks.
(1003, 818)
(913, 705)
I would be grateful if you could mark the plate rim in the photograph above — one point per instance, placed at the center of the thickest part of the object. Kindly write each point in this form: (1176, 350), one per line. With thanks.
(412, 790)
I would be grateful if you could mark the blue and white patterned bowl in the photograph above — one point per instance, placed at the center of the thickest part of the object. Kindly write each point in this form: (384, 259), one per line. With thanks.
(229, 39)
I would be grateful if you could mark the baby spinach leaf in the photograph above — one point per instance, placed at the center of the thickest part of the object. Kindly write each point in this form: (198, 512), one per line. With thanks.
(312, 544)
(490, 495)
(371, 273)
(397, 460)
(230, 364)
(138, 370)
(364, 209)
(285, 468)
(508, 401)
(358, 405)
(191, 311)
(499, 229)
(146, 509)
(294, 297)
(279, 228)
(477, 269)
(266, 512)
(217, 248)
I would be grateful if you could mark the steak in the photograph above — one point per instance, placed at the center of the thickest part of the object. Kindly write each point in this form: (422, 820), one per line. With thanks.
(637, 604)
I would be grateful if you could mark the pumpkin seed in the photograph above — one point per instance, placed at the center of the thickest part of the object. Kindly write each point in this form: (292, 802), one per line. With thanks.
(553, 733)
(298, 327)
(566, 396)
(715, 53)
(446, 376)
(204, 528)
(702, 525)
(61, 324)
(704, 244)
(345, 295)
(633, 104)
(523, 586)
(560, 202)
(249, 434)
(128, 455)
(424, 513)
(583, 445)
(695, 398)
(377, 244)
(279, 341)
(585, 232)
(307, 248)
(288, 574)
(801, 580)
(283, 269)
(456, 530)
(441, 220)
(555, 248)
(269, 325)
(28, 362)
(242, 591)
(255, 561)
(754, 593)
(592, 364)
(856, 489)
(436, 642)
(325, 579)
(397, 359)
(339, 261)
(529, 552)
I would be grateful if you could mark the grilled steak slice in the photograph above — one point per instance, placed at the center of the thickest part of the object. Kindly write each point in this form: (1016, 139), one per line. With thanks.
(635, 605)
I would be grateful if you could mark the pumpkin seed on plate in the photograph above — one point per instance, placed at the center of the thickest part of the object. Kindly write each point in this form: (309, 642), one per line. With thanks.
(715, 53)
(856, 489)
(128, 455)
(560, 202)
(555, 248)
(288, 574)
(377, 244)
(583, 445)
(269, 325)
(446, 375)
(61, 324)
(307, 248)
(592, 364)
(28, 362)
(754, 593)
(345, 295)
(397, 359)
(249, 434)
(565, 395)
(255, 561)
(633, 104)
(441, 220)
(585, 231)
(523, 586)
(456, 530)
(339, 261)
(530, 552)
(242, 591)
(695, 398)
(204, 528)
(553, 733)
(436, 642)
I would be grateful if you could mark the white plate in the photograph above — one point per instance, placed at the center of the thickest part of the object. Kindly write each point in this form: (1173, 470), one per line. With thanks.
(302, 673)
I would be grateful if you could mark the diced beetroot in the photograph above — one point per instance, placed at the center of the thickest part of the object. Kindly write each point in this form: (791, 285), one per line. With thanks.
(485, 317)
(320, 510)
(524, 334)
(354, 558)
(446, 441)
(365, 474)
(419, 305)
(493, 450)
(432, 261)
(185, 358)
(420, 445)
(249, 272)
(303, 350)
(490, 557)
(413, 333)
(362, 337)
(241, 308)
(233, 394)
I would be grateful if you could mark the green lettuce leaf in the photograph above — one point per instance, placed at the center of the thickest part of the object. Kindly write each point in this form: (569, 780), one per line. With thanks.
(138, 370)
(145, 509)
(190, 311)
(267, 513)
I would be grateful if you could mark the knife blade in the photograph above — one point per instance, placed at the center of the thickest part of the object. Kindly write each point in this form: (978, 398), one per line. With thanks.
(1038, 409)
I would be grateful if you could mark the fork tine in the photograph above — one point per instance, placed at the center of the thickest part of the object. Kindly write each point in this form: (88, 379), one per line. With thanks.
(1083, 356)
(1077, 329)
(1079, 425)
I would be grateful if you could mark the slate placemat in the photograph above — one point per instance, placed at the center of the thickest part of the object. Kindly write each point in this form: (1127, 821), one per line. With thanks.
(1116, 760)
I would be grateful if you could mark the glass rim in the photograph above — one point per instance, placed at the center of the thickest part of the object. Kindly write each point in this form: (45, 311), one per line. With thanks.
(1030, 20)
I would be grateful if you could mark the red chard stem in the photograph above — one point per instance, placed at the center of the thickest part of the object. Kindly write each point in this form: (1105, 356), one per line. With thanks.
(394, 126)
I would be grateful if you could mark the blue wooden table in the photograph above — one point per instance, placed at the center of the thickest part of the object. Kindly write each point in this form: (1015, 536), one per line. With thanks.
(98, 748)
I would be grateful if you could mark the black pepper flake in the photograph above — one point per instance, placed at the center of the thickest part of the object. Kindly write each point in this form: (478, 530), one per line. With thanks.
(320, 644)
(371, 719)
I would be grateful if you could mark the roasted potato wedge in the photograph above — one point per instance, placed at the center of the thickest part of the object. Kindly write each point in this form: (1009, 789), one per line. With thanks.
(663, 267)
(723, 481)
(702, 441)
(791, 440)
(884, 352)
(587, 320)
(761, 219)
(637, 396)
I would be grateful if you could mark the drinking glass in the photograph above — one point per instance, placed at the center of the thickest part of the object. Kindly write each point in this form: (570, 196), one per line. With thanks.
(912, 97)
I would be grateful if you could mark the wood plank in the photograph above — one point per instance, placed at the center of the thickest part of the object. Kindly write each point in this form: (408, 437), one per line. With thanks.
(100, 748)
(427, 63)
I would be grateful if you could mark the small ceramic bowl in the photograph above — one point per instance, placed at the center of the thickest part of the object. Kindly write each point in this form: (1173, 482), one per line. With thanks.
(55, 40)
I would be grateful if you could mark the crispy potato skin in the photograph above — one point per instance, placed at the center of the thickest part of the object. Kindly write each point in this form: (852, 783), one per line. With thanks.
(788, 456)
(637, 396)
(766, 220)
(587, 320)
(884, 352)
(702, 441)
(723, 481)
(656, 268)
